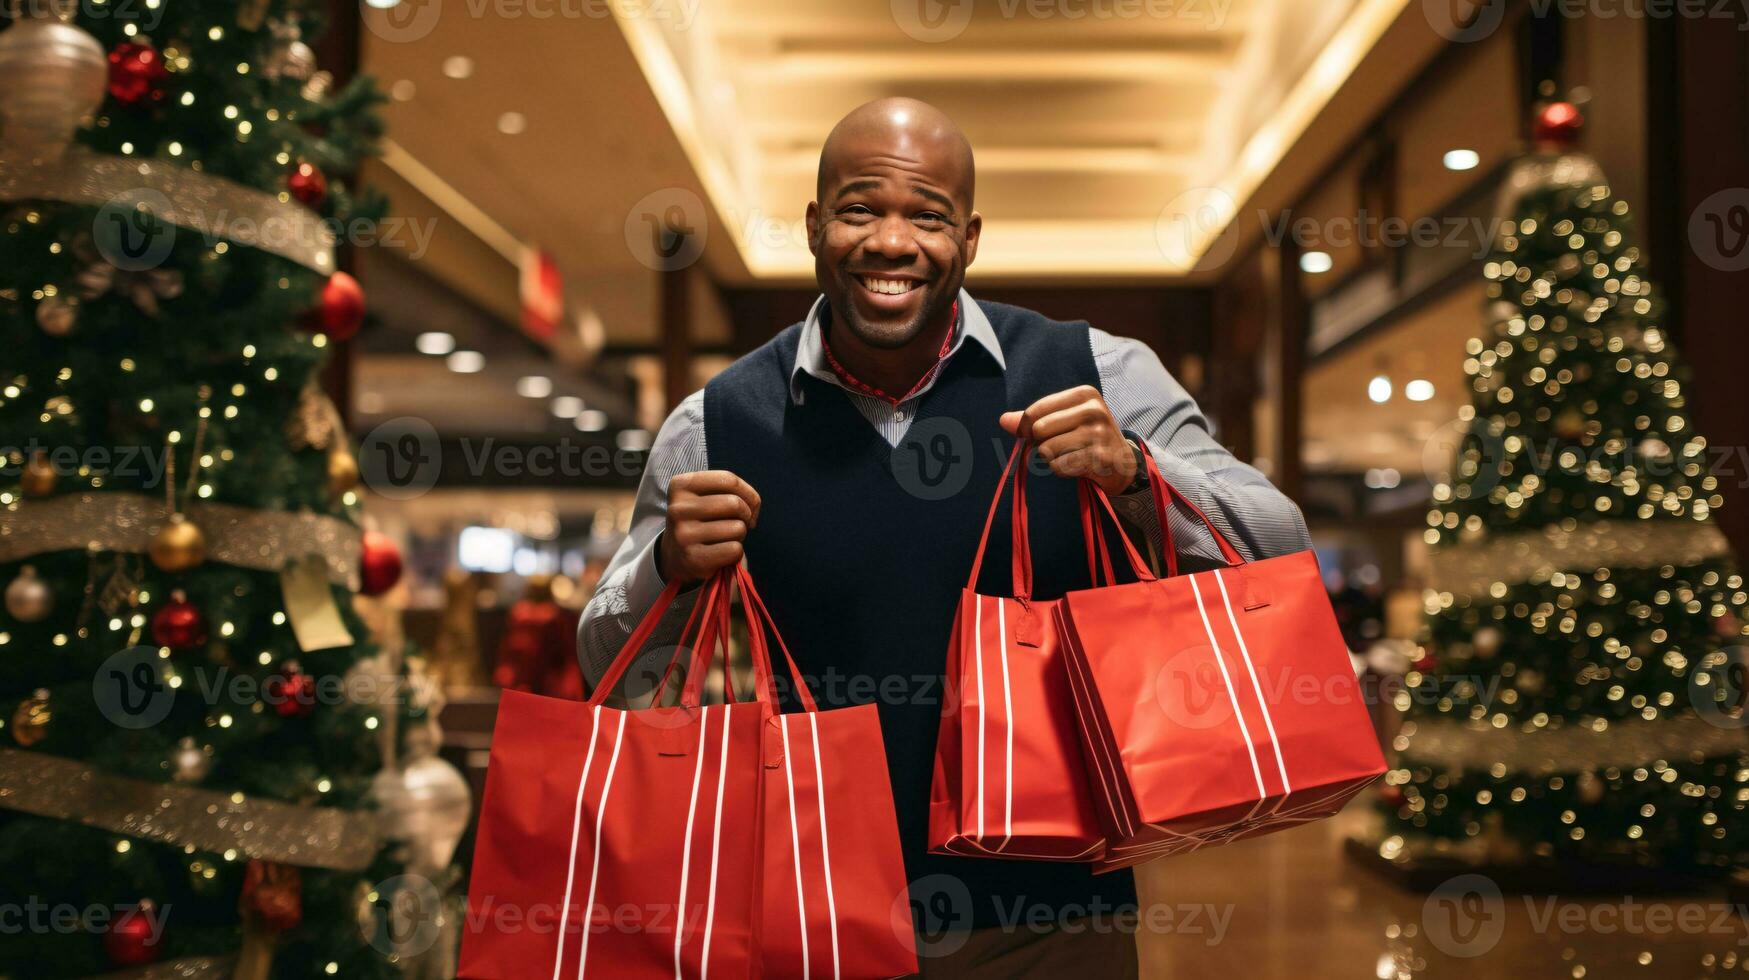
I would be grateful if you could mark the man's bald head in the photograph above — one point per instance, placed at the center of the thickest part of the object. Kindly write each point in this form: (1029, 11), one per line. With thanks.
(902, 127)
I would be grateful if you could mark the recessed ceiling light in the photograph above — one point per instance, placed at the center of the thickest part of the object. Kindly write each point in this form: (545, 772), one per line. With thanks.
(434, 342)
(1462, 159)
(512, 123)
(466, 362)
(591, 420)
(403, 90)
(1315, 262)
(1379, 389)
(1418, 390)
(382, 4)
(534, 386)
(567, 406)
(633, 440)
(458, 66)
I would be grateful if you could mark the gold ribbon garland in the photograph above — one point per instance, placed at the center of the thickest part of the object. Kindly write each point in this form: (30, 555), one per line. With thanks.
(126, 522)
(216, 208)
(1532, 556)
(186, 968)
(1570, 748)
(289, 833)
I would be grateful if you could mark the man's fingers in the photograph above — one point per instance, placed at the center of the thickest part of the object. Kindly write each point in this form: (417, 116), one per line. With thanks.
(710, 532)
(1056, 447)
(710, 557)
(1051, 404)
(706, 483)
(1080, 416)
(716, 507)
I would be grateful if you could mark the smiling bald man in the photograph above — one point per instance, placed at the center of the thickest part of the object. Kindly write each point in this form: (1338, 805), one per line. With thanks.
(850, 461)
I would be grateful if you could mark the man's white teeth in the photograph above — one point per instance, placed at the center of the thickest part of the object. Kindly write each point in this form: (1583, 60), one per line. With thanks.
(892, 287)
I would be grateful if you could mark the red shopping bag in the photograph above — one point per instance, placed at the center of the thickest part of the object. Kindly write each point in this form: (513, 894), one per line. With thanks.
(1009, 774)
(1215, 706)
(834, 889)
(617, 843)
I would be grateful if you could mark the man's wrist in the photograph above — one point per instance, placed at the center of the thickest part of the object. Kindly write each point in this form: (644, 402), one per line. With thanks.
(1139, 482)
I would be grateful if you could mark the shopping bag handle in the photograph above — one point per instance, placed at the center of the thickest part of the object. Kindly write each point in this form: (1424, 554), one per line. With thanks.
(758, 621)
(1164, 494)
(1019, 548)
(634, 643)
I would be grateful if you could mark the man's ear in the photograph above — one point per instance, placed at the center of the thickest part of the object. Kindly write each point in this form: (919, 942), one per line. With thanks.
(974, 227)
(813, 220)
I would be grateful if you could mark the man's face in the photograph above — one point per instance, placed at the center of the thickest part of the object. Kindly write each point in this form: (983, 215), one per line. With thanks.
(892, 236)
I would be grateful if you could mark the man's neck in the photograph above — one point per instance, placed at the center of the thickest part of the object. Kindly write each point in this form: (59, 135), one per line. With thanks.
(892, 370)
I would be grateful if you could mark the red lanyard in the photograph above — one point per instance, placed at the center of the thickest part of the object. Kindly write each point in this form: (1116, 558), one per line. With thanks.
(850, 380)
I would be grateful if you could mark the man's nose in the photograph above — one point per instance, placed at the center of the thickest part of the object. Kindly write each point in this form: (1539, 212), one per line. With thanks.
(892, 238)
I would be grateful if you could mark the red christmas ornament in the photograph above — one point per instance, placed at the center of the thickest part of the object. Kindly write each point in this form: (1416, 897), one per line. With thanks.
(307, 184)
(178, 624)
(1392, 794)
(341, 309)
(129, 940)
(379, 564)
(292, 694)
(1426, 663)
(1558, 124)
(273, 894)
(136, 73)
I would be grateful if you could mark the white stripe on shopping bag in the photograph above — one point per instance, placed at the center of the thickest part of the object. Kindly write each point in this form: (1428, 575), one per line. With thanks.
(1008, 723)
(576, 826)
(795, 840)
(710, 906)
(595, 865)
(1268, 722)
(978, 648)
(686, 849)
(1256, 771)
(825, 849)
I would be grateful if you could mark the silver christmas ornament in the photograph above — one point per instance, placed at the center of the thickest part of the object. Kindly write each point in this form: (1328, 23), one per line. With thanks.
(425, 805)
(52, 77)
(28, 598)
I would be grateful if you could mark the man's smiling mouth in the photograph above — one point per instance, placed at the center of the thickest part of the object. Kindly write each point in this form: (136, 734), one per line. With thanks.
(888, 287)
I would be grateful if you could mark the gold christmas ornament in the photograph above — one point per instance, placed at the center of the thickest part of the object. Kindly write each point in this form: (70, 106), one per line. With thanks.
(179, 547)
(28, 598)
(30, 722)
(189, 761)
(38, 477)
(52, 76)
(342, 471)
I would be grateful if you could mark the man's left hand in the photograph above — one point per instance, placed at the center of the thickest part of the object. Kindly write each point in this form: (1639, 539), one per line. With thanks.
(1076, 433)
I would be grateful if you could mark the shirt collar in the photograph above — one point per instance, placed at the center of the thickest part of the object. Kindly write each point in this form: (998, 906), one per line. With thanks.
(811, 354)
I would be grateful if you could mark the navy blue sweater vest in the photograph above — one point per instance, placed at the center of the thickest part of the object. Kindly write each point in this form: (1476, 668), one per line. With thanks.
(862, 550)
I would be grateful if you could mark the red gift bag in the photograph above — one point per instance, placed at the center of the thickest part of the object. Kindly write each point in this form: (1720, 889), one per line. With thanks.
(834, 889)
(617, 843)
(1009, 775)
(1215, 706)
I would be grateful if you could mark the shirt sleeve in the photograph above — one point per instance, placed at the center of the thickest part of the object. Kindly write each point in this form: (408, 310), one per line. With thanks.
(1243, 505)
(631, 582)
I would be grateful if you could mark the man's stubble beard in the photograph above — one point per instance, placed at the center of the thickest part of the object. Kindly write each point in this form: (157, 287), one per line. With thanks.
(890, 336)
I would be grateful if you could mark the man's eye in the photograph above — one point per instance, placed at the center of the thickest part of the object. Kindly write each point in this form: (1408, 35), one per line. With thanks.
(932, 217)
(855, 209)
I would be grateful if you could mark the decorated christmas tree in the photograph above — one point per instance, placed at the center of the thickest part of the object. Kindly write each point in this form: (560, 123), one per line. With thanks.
(1577, 703)
(206, 765)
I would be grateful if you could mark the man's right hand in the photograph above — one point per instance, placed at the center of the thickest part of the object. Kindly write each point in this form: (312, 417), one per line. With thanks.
(709, 514)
